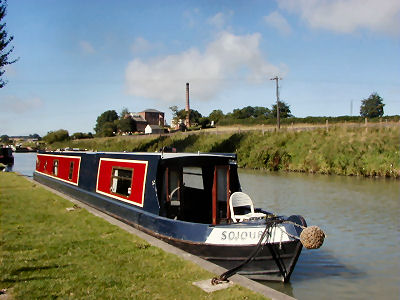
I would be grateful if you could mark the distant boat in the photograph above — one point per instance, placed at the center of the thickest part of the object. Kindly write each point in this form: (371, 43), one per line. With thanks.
(190, 200)
(24, 149)
(6, 156)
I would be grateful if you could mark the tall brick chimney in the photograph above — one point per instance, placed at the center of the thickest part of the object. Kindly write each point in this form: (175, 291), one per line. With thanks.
(187, 109)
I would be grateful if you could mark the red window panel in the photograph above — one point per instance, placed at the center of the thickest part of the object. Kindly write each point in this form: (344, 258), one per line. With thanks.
(124, 180)
(45, 164)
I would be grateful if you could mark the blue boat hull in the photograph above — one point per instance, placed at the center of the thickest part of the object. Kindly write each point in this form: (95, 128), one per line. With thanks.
(275, 261)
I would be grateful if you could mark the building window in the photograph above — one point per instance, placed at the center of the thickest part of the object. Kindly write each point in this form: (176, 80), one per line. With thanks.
(71, 170)
(121, 181)
(55, 167)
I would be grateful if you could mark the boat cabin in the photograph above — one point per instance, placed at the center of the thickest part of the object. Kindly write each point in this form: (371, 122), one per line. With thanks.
(197, 188)
(181, 186)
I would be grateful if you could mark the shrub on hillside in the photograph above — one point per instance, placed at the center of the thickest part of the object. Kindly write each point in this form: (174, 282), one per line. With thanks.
(56, 136)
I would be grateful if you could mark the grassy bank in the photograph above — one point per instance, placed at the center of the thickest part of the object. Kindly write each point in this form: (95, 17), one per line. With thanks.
(340, 150)
(48, 252)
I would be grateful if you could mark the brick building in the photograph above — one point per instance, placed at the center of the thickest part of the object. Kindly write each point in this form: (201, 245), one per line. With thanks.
(147, 117)
(153, 117)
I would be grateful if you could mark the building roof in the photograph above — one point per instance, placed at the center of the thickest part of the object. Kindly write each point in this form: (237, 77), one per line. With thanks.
(152, 110)
(137, 118)
(154, 126)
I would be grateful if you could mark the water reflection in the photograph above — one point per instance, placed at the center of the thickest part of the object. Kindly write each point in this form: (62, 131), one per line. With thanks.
(360, 256)
(319, 264)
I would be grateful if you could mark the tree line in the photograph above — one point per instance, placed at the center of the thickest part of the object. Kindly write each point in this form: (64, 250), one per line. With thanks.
(110, 123)
(371, 107)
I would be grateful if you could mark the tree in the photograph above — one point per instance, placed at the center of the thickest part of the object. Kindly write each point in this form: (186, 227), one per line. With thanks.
(250, 112)
(124, 112)
(216, 115)
(194, 115)
(284, 110)
(105, 125)
(125, 122)
(261, 111)
(243, 113)
(5, 139)
(204, 122)
(126, 125)
(372, 107)
(56, 136)
(81, 135)
(181, 115)
(5, 40)
(35, 136)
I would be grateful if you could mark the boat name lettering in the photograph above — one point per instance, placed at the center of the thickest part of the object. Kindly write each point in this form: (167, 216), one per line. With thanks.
(243, 235)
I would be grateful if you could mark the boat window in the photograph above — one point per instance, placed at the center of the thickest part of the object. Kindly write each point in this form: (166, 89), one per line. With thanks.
(71, 170)
(193, 177)
(121, 182)
(37, 163)
(222, 190)
(55, 167)
(174, 187)
(45, 166)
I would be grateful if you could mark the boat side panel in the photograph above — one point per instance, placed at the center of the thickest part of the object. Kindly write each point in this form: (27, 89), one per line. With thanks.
(67, 168)
(150, 202)
(138, 170)
(174, 229)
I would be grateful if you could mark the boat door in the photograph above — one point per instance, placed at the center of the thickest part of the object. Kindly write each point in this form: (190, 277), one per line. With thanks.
(172, 185)
(220, 195)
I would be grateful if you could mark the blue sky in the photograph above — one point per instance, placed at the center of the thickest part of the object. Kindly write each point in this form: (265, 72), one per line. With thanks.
(81, 58)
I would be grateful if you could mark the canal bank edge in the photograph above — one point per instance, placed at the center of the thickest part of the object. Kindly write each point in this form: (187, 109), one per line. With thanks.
(237, 279)
(339, 150)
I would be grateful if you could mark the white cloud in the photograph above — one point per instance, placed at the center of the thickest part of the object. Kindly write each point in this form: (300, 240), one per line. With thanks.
(227, 58)
(86, 47)
(347, 16)
(17, 105)
(275, 19)
(220, 19)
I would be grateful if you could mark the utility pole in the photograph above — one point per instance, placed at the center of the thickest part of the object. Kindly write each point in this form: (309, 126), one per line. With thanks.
(278, 121)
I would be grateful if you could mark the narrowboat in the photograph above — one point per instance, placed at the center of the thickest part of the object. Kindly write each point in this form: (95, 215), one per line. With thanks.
(6, 158)
(190, 200)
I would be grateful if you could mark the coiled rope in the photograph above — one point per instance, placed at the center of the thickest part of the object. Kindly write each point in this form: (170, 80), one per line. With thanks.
(260, 245)
(311, 237)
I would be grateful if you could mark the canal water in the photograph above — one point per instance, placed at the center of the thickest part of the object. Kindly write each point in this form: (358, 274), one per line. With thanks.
(360, 258)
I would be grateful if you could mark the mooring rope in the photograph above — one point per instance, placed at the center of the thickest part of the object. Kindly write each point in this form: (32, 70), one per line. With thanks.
(311, 237)
(260, 245)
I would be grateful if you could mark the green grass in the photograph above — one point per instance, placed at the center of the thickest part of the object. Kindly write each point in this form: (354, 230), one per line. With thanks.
(48, 252)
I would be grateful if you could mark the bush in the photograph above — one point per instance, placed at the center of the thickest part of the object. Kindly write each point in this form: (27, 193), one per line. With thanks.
(56, 136)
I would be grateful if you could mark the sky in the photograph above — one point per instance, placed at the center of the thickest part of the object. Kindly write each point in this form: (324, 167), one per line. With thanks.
(78, 59)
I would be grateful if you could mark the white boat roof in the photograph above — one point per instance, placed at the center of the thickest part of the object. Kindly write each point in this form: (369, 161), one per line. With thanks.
(163, 155)
(169, 155)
